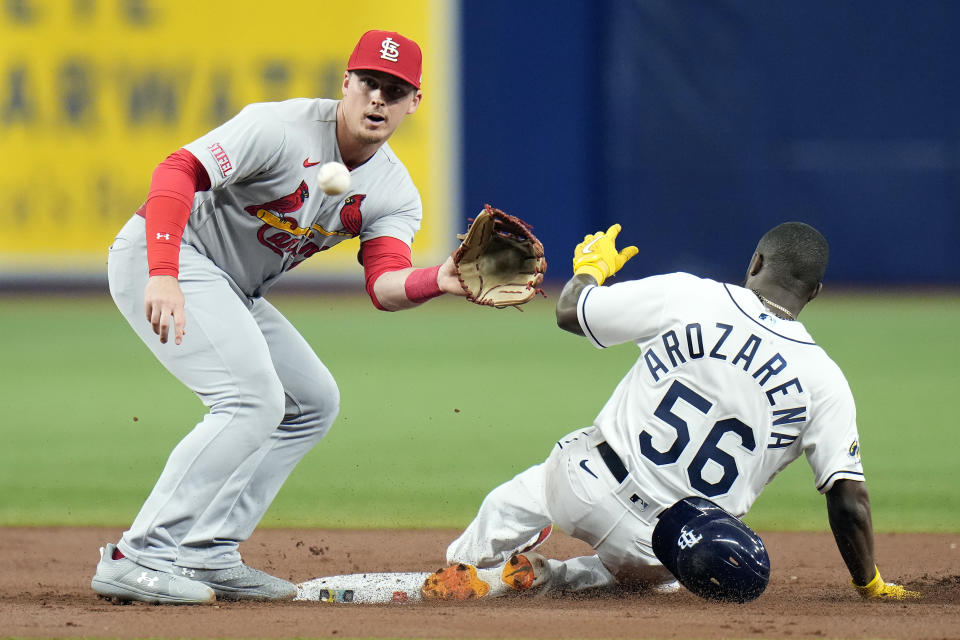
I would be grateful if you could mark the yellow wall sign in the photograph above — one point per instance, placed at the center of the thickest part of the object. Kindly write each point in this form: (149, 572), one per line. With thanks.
(95, 93)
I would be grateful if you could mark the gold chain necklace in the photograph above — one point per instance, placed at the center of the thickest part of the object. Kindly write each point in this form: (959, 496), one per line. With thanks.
(773, 305)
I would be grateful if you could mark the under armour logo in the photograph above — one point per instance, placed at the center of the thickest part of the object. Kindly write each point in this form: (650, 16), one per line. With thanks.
(389, 49)
(688, 539)
(163, 236)
(145, 579)
(188, 572)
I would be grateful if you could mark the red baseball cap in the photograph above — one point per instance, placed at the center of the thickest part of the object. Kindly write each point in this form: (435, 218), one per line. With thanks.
(390, 52)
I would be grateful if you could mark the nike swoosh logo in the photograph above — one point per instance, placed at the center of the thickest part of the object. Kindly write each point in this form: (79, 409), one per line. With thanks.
(589, 246)
(583, 465)
(307, 163)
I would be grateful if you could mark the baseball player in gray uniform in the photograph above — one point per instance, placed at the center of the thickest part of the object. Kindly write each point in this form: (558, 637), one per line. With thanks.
(727, 390)
(226, 216)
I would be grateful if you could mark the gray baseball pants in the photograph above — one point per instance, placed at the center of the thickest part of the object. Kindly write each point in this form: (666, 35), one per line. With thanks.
(269, 400)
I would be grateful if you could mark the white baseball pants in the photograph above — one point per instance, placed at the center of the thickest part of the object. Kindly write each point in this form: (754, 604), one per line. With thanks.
(574, 490)
(269, 400)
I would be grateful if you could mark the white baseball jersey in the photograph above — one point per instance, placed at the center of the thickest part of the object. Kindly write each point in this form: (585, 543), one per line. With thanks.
(263, 215)
(723, 396)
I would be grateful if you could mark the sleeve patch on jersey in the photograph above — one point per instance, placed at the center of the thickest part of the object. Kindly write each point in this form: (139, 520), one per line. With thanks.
(854, 450)
(223, 161)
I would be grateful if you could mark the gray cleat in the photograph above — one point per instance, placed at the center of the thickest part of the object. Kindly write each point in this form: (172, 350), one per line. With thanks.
(241, 583)
(124, 580)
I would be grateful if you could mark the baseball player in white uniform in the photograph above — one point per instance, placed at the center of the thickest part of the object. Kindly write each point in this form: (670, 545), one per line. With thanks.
(227, 215)
(727, 390)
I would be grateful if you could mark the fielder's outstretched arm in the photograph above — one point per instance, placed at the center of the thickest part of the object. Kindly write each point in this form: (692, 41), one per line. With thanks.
(848, 507)
(397, 290)
(394, 284)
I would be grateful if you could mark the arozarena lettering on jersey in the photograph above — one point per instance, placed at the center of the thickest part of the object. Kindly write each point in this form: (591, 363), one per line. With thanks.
(692, 347)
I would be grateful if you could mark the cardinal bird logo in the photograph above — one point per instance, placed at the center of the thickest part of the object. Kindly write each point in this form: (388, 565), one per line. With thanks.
(350, 216)
(286, 204)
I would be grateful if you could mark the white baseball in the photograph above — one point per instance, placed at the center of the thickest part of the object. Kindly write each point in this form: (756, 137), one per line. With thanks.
(333, 178)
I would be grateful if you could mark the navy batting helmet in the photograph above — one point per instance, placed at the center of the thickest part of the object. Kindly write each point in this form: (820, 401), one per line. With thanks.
(710, 552)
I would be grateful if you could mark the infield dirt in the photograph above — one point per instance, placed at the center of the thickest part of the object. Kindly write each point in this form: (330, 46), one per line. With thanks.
(45, 592)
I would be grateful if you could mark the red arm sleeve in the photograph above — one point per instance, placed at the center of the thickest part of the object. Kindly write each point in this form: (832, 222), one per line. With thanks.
(174, 182)
(379, 256)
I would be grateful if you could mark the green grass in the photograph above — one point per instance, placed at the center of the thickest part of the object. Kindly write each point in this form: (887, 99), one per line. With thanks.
(88, 417)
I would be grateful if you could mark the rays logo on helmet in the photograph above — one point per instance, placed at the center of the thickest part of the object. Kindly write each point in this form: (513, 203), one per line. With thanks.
(688, 539)
(711, 552)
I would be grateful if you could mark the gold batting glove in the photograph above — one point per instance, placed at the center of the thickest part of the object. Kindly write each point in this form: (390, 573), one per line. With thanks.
(877, 589)
(597, 255)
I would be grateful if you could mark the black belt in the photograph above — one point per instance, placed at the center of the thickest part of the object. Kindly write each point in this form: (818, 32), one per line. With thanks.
(613, 461)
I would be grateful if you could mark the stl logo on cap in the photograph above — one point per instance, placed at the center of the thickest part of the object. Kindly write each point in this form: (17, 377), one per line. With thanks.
(381, 51)
(389, 49)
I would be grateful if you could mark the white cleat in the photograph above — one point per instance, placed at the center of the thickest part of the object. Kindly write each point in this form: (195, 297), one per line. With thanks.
(124, 580)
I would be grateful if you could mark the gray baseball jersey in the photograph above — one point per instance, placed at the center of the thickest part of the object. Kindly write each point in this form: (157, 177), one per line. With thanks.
(272, 217)
(270, 397)
(723, 396)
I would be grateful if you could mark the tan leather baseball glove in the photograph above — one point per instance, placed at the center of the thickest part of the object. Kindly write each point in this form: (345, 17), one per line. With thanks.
(500, 263)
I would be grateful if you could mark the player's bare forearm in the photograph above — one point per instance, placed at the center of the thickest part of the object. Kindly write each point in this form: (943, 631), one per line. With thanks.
(162, 299)
(567, 303)
(390, 292)
(391, 287)
(848, 507)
